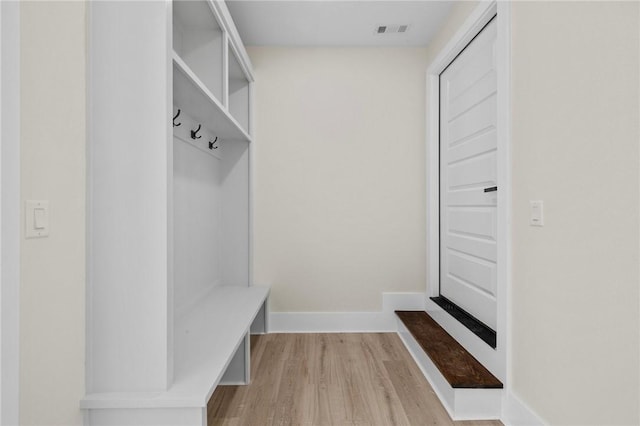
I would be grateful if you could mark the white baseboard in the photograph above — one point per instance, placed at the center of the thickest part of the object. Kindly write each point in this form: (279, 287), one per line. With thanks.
(517, 413)
(348, 322)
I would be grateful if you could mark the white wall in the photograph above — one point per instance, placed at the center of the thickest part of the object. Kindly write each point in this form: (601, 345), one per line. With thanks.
(53, 168)
(575, 146)
(340, 192)
(320, 201)
(575, 306)
(459, 13)
(10, 200)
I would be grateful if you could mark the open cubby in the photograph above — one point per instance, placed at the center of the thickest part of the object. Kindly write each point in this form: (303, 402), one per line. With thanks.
(238, 92)
(190, 94)
(197, 210)
(199, 40)
(210, 220)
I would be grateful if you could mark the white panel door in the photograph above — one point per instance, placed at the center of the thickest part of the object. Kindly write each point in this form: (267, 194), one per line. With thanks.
(468, 197)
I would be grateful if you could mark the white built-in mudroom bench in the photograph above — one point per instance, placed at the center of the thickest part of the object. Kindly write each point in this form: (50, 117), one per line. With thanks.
(170, 298)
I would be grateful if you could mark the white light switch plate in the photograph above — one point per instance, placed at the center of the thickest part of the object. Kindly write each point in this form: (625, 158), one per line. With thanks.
(536, 217)
(36, 219)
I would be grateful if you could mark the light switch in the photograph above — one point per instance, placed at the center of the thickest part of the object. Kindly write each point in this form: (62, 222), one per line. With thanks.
(537, 213)
(37, 219)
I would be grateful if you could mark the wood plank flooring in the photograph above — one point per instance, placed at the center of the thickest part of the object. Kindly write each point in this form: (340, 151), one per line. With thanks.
(364, 379)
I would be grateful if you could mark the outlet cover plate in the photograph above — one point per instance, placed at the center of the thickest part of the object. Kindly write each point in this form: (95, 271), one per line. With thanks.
(536, 217)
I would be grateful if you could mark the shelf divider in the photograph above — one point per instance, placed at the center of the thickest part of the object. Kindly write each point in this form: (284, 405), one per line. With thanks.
(191, 94)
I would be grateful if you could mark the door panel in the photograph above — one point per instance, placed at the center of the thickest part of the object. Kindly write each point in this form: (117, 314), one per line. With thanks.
(480, 222)
(475, 63)
(479, 247)
(464, 296)
(475, 271)
(479, 171)
(468, 165)
(481, 117)
(469, 197)
(481, 143)
(484, 88)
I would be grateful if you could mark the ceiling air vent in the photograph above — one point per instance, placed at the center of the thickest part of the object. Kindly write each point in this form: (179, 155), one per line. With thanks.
(391, 29)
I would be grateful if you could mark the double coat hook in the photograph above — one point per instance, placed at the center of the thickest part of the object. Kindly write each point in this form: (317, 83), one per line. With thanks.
(174, 119)
(194, 133)
(212, 143)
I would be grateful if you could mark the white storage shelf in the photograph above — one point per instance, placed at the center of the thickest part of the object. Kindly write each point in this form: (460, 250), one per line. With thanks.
(163, 333)
(199, 41)
(239, 92)
(192, 95)
(205, 341)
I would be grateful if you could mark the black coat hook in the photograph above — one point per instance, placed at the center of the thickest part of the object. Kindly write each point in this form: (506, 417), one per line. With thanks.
(194, 133)
(211, 143)
(174, 119)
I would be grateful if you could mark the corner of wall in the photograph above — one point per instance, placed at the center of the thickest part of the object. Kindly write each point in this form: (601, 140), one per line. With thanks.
(516, 413)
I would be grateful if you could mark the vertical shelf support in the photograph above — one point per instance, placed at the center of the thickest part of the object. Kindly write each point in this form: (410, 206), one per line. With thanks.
(225, 71)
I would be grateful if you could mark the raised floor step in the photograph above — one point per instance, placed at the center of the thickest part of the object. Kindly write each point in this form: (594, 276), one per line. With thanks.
(456, 365)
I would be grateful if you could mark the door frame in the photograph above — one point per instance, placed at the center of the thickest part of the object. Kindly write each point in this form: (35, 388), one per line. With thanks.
(496, 360)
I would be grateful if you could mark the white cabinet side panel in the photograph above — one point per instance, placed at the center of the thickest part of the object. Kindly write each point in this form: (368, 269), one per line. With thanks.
(128, 199)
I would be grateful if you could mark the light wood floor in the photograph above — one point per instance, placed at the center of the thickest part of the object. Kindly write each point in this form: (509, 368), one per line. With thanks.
(330, 379)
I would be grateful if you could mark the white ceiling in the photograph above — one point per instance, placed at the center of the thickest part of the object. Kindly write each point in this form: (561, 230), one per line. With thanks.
(336, 23)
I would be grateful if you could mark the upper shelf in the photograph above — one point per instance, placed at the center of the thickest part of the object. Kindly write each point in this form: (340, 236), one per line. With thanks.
(239, 92)
(190, 93)
(199, 39)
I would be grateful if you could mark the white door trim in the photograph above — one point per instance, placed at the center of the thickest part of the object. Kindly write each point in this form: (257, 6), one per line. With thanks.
(495, 360)
(9, 210)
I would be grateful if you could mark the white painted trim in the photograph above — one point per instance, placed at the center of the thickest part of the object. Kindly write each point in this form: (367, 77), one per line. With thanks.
(247, 357)
(10, 211)
(259, 324)
(474, 23)
(330, 322)
(225, 71)
(88, 312)
(503, 62)
(223, 15)
(190, 416)
(252, 181)
(347, 322)
(267, 314)
(480, 16)
(516, 413)
(171, 308)
(461, 404)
